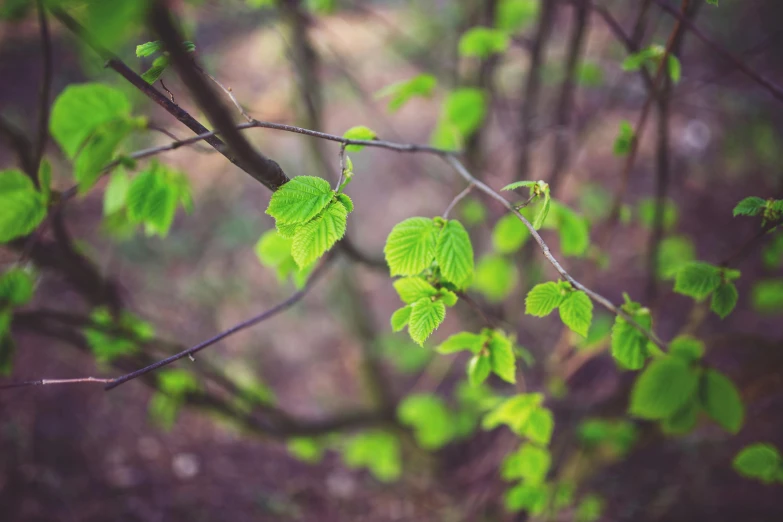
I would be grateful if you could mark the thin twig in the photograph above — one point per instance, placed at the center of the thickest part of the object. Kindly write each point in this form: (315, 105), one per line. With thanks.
(459, 197)
(228, 92)
(47, 382)
(342, 167)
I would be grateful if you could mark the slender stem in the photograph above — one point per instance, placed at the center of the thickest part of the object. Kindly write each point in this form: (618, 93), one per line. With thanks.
(459, 197)
(228, 92)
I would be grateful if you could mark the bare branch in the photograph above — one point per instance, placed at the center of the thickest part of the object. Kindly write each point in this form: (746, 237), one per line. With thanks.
(459, 197)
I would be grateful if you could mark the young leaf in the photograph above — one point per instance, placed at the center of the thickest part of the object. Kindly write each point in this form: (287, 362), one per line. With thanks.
(675, 69)
(401, 92)
(346, 202)
(687, 348)
(543, 298)
(495, 277)
(629, 345)
(513, 15)
(410, 247)
(573, 230)
(520, 184)
(724, 299)
(513, 412)
(426, 316)
(360, 132)
(531, 463)
(152, 200)
(430, 419)
(300, 200)
(509, 234)
(22, 208)
(156, 70)
(767, 296)
(721, 401)
(501, 356)
(759, 461)
(149, 48)
(624, 139)
(317, 236)
(273, 249)
(532, 498)
(465, 109)
(400, 318)
(544, 211)
(98, 151)
(483, 42)
(540, 426)
(478, 369)
(673, 253)
(663, 388)
(411, 289)
(305, 449)
(683, 420)
(697, 280)
(378, 451)
(461, 341)
(752, 206)
(454, 254)
(116, 192)
(16, 289)
(80, 109)
(576, 312)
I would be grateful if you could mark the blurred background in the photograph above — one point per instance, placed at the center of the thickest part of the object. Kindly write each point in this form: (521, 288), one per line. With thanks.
(557, 97)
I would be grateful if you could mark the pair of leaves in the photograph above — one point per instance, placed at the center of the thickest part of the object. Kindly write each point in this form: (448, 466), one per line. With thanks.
(151, 198)
(161, 63)
(698, 280)
(311, 214)
(22, 207)
(576, 308)
(89, 121)
(771, 210)
(425, 307)
(492, 351)
(673, 391)
(652, 55)
(414, 244)
(525, 416)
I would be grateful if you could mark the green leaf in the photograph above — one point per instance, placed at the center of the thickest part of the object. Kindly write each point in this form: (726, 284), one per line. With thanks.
(624, 139)
(478, 369)
(400, 318)
(647, 213)
(465, 109)
(540, 426)
(111, 339)
(448, 297)
(482, 42)
(752, 206)
(473, 212)
(687, 348)
(430, 419)
(495, 277)
(683, 420)
(530, 463)
(509, 234)
(629, 345)
(411, 289)
(576, 312)
(663, 388)
(378, 451)
(513, 15)
(773, 253)
(316, 237)
(675, 68)
(590, 75)
(426, 316)
(673, 253)
(360, 132)
(149, 48)
(501, 356)
(152, 200)
(724, 299)
(543, 299)
(177, 382)
(573, 230)
(759, 461)
(721, 401)
(513, 412)
(410, 247)
(462, 341)
(16, 288)
(767, 296)
(346, 202)
(116, 192)
(156, 70)
(98, 151)
(300, 200)
(273, 249)
(401, 92)
(454, 254)
(697, 280)
(305, 449)
(22, 208)
(532, 498)
(164, 410)
(81, 109)
(543, 212)
(589, 509)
